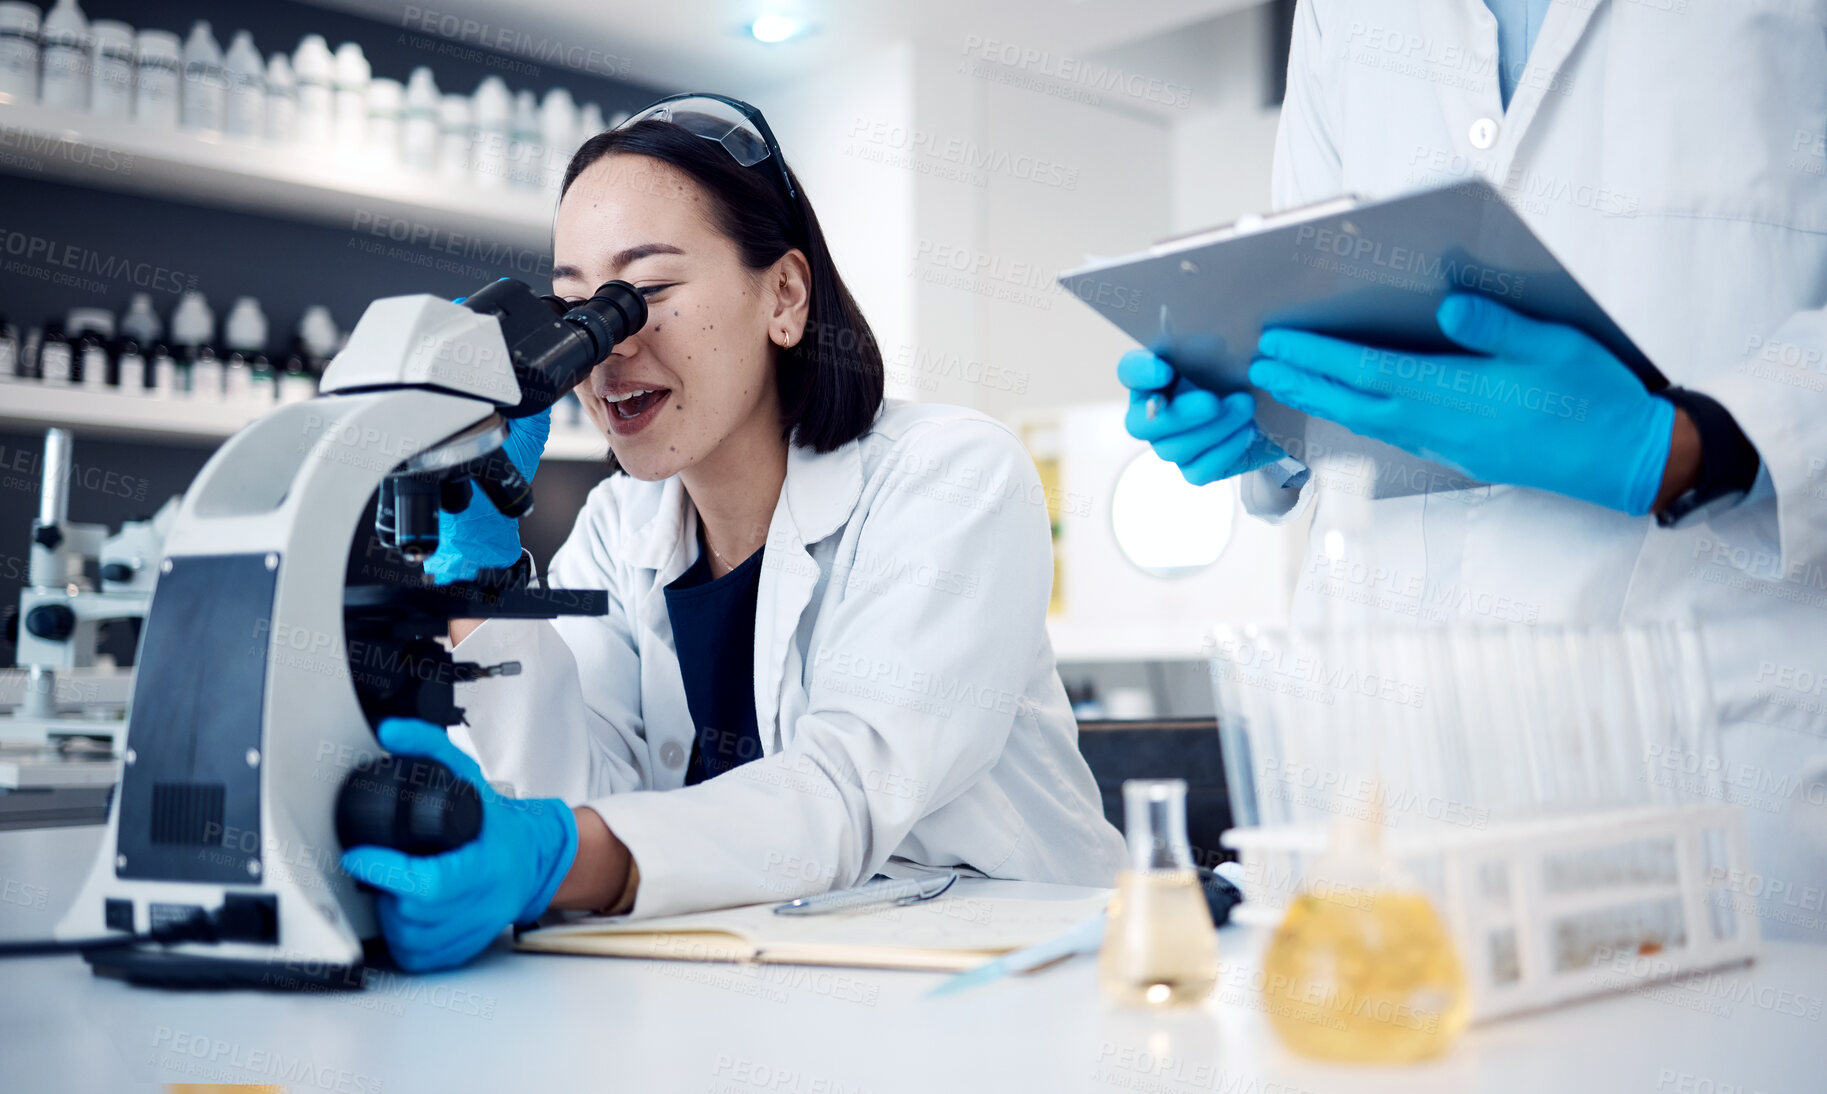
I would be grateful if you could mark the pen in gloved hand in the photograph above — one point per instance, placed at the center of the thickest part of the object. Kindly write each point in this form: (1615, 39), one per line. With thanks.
(1207, 435)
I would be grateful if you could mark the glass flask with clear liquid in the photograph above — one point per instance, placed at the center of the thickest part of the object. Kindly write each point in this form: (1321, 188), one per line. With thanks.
(1160, 948)
(1362, 969)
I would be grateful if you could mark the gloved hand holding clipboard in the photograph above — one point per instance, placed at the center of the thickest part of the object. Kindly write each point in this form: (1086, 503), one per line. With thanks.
(1367, 272)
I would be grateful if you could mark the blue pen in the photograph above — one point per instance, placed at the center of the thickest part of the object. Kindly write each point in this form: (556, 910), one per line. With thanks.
(1085, 937)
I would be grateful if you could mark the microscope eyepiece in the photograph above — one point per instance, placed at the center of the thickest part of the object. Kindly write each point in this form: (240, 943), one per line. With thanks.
(614, 312)
(551, 344)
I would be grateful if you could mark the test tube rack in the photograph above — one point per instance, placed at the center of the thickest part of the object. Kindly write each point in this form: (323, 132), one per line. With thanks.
(1518, 777)
(1550, 910)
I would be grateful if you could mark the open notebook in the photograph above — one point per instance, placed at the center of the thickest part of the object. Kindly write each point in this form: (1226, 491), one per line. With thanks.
(976, 920)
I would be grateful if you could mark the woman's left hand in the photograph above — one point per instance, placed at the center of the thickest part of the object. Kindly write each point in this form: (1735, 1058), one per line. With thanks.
(441, 910)
(480, 536)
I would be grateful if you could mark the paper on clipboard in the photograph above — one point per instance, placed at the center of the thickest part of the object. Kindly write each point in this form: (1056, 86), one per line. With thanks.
(1371, 272)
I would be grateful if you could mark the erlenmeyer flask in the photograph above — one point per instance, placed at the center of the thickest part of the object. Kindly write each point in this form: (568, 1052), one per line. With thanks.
(1160, 948)
(1361, 969)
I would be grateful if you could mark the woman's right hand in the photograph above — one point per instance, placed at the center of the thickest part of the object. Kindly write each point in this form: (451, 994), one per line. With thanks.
(480, 537)
(1207, 436)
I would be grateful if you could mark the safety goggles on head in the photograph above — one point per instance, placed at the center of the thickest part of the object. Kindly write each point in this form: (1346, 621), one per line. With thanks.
(732, 123)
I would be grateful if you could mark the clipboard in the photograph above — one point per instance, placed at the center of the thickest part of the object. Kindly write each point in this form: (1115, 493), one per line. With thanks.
(1372, 272)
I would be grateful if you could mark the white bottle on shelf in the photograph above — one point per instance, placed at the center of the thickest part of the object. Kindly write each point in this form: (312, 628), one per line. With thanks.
(193, 332)
(157, 79)
(526, 153)
(164, 369)
(140, 329)
(205, 84)
(318, 334)
(19, 25)
(54, 354)
(352, 75)
(244, 337)
(494, 111)
(140, 322)
(558, 132)
(419, 130)
(386, 111)
(111, 72)
(454, 137)
(130, 368)
(63, 52)
(281, 101)
(316, 72)
(246, 73)
(589, 122)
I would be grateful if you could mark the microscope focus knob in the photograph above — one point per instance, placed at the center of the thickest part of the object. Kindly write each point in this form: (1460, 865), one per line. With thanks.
(51, 622)
(410, 803)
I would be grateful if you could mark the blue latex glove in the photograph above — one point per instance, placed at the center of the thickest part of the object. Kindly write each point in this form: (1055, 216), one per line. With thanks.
(1535, 404)
(441, 910)
(480, 536)
(1209, 437)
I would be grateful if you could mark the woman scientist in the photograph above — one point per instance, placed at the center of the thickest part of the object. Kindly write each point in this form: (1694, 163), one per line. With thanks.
(825, 654)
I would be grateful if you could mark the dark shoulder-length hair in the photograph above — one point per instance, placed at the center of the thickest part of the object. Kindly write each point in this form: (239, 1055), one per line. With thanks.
(831, 381)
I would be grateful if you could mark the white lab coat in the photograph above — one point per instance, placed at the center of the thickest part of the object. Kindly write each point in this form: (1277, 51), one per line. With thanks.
(1670, 153)
(911, 715)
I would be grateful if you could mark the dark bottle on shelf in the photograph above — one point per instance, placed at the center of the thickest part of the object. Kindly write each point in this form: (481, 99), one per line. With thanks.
(89, 331)
(26, 367)
(9, 351)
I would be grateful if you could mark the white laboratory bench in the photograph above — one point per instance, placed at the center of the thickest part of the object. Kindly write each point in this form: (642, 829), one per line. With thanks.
(534, 1022)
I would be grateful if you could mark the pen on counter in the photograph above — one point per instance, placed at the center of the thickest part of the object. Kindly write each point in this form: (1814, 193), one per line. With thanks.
(908, 891)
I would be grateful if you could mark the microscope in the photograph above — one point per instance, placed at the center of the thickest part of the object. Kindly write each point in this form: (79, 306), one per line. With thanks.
(251, 759)
(61, 611)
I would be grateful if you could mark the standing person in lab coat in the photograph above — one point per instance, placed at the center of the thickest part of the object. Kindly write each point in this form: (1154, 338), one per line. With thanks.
(1672, 154)
(825, 654)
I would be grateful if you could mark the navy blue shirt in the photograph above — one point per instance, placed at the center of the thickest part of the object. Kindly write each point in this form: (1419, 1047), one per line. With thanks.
(713, 630)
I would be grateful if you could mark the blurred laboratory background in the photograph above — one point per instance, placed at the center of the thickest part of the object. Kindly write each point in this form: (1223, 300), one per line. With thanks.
(200, 197)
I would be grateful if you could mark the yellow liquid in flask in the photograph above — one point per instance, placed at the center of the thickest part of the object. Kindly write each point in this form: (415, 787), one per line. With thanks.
(1370, 980)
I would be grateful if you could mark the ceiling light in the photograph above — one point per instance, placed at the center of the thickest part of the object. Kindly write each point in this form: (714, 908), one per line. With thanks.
(774, 28)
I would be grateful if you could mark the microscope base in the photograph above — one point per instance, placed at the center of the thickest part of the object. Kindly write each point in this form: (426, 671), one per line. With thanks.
(167, 969)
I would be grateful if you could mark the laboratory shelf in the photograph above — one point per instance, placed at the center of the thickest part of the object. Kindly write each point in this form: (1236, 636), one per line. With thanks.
(30, 405)
(387, 204)
(107, 413)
